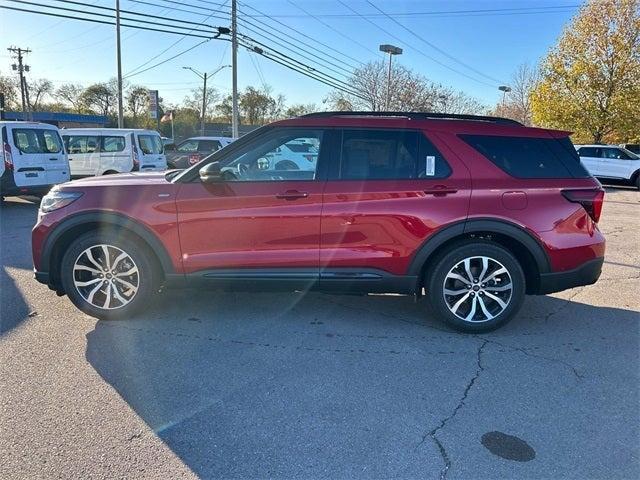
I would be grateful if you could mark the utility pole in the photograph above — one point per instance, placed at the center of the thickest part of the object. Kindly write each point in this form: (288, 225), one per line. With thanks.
(119, 61)
(204, 103)
(21, 68)
(234, 68)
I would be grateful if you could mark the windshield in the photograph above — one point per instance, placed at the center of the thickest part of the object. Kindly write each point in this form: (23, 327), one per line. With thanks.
(632, 156)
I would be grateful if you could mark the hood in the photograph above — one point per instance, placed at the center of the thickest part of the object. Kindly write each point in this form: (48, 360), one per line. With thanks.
(135, 178)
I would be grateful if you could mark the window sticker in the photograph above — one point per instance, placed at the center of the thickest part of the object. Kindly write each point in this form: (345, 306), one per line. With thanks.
(430, 169)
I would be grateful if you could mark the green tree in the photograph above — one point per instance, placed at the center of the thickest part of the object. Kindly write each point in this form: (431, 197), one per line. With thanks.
(70, 95)
(9, 87)
(590, 81)
(99, 98)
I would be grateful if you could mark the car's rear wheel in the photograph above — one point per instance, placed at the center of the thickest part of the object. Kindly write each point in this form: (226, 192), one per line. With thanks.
(476, 286)
(107, 275)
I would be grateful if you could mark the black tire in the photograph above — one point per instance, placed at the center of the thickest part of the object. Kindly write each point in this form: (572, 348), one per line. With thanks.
(435, 285)
(638, 181)
(147, 275)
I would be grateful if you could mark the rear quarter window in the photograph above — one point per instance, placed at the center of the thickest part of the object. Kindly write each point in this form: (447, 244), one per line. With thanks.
(530, 157)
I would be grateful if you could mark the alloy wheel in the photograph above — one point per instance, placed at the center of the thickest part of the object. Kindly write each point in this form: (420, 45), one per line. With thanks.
(106, 277)
(478, 289)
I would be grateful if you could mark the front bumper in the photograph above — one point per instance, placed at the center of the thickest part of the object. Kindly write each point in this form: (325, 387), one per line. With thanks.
(587, 274)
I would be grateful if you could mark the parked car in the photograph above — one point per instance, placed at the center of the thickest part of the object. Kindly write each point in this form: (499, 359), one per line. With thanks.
(632, 147)
(103, 151)
(476, 211)
(33, 158)
(611, 163)
(193, 150)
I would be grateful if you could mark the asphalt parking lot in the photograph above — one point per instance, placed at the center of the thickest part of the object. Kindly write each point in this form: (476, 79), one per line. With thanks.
(298, 385)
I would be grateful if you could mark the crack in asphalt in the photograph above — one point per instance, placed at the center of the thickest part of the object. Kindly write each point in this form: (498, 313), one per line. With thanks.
(564, 305)
(433, 434)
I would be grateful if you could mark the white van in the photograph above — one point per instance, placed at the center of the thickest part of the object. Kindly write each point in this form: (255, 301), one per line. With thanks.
(102, 151)
(33, 158)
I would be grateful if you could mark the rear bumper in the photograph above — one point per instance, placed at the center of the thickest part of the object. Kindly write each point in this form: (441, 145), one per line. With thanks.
(8, 186)
(587, 274)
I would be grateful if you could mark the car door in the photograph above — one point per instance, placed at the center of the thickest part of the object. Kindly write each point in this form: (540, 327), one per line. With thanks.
(84, 154)
(387, 191)
(40, 157)
(257, 222)
(617, 163)
(591, 157)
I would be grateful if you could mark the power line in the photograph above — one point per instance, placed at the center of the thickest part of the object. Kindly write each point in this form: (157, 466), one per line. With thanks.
(91, 20)
(462, 13)
(166, 60)
(289, 46)
(420, 52)
(176, 9)
(330, 47)
(435, 47)
(163, 51)
(330, 27)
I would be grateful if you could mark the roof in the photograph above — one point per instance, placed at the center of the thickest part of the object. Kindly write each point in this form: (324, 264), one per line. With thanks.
(105, 130)
(209, 138)
(58, 117)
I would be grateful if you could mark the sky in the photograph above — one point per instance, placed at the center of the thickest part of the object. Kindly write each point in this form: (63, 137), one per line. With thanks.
(471, 46)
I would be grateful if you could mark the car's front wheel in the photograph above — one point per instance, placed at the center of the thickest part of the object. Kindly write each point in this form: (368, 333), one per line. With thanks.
(476, 286)
(107, 275)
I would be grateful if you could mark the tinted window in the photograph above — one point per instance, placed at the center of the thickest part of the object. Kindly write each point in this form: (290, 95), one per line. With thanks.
(389, 155)
(589, 152)
(150, 144)
(618, 154)
(113, 144)
(81, 143)
(32, 140)
(208, 145)
(526, 157)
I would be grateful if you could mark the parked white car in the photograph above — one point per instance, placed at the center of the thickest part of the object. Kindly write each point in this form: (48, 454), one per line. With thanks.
(103, 151)
(299, 154)
(33, 158)
(611, 162)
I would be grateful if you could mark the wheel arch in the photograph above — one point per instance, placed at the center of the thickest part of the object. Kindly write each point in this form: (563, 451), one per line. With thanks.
(71, 228)
(522, 244)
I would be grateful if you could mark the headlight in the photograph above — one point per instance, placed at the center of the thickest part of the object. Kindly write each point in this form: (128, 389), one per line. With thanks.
(57, 199)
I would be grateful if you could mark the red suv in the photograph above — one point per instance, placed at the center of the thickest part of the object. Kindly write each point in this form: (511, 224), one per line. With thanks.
(474, 211)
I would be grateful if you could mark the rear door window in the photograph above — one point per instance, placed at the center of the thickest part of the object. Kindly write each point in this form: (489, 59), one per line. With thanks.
(150, 144)
(592, 152)
(113, 144)
(529, 157)
(389, 155)
(208, 146)
(34, 140)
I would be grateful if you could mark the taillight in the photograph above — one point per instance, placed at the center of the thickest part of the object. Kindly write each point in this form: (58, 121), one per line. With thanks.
(8, 158)
(591, 200)
(136, 158)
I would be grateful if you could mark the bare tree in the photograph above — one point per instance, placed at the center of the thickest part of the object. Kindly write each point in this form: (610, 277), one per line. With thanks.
(517, 102)
(38, 91)
(408, 91)
(194, 101)
(70, 94)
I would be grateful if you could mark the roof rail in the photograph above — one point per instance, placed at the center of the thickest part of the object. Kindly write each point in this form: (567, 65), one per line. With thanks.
(415, 116)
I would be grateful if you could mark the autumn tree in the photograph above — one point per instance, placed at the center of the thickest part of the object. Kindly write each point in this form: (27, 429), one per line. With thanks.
(590, 81)
(99, 98)
(194, 101)
(408, 91)
(137, 100)
(517, 102)
(39, 90)
(9, 87)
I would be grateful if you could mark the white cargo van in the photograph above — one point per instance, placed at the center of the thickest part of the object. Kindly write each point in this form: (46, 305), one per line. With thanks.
(33, 158)
(102, 151)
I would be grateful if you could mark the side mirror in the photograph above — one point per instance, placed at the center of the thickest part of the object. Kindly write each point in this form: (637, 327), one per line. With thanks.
(210, 173)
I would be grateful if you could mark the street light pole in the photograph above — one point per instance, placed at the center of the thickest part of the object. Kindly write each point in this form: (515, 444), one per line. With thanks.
(119, 61)
(504, 89)
(234, 68)
(204, 77)
(391, 50)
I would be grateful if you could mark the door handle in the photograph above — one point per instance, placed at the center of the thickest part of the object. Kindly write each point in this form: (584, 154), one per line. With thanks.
(292, 195)
(440, 190)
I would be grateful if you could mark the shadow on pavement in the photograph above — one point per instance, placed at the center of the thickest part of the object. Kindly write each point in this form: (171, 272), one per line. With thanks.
(327, 386)
(16, 220)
